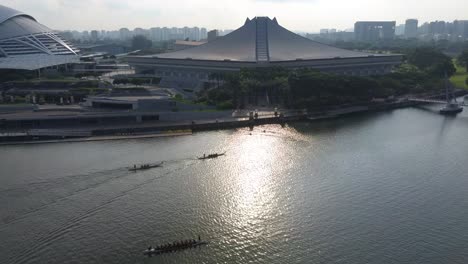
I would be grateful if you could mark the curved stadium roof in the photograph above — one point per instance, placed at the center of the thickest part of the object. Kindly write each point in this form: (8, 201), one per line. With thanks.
(27, 44)
(7, 13)
(262, 40)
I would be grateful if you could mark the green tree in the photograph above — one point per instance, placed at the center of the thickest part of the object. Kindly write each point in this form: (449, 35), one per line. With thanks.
(140, 42)
(443, 68)
(432, 61)
(462, 59)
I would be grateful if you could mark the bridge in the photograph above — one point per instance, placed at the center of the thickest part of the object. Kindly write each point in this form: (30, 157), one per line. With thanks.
(433, 101)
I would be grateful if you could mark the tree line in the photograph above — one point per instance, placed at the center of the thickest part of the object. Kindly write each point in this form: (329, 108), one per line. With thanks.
(423, 70)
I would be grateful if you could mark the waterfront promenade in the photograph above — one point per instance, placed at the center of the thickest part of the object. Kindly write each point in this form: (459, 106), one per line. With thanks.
(185, 127)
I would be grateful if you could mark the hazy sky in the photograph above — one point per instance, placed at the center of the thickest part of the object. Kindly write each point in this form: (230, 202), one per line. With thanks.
(298, 15)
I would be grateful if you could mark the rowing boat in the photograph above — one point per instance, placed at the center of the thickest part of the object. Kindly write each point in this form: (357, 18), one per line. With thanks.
(173, 247)
(211, 156)
(146, 167)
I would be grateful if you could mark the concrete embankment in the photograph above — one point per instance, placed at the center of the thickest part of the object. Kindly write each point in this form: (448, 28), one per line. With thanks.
(164, 129)
(101, 138)
(152, 130)
(341, 112)
(202, 125)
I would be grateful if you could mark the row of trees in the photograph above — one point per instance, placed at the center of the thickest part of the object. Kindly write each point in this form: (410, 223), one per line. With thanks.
(462, 59)
(401, 45)
(310, 88)
(424, 71)
(431, 61)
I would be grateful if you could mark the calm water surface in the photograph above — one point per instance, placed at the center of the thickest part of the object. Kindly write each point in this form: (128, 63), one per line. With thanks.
(381, 188)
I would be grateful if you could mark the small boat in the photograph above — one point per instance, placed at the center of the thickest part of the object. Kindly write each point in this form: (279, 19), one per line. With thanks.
(145, 166)
(172, 247)
(211, 156)
(451, 109)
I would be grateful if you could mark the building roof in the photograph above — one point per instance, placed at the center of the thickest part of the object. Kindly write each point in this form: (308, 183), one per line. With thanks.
(27, 44)
(189, 43)
(14, 23)
(20, 26)
(7, 13)
(261, 40)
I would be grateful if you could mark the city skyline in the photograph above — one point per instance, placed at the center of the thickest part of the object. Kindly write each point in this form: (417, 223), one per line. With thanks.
(298, 15)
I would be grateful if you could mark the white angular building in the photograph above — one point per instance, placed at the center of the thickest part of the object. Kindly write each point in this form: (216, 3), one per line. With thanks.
(260, 42)
(28, 45)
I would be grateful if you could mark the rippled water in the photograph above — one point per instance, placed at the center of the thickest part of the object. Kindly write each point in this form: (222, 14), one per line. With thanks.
(380, 188)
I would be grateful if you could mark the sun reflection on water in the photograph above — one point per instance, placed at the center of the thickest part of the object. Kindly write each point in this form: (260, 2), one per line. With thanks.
(257, 181)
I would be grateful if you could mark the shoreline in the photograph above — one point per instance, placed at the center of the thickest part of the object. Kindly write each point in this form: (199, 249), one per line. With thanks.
(188, 127)
(96, 138)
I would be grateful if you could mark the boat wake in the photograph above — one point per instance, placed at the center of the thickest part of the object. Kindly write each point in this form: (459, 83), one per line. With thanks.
(44, 242)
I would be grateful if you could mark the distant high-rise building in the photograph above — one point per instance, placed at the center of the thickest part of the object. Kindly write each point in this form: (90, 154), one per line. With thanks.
(411, 28)
(125, 33)
(437, 27)
(94, 35)
(194, 34)
(203, 33)
(186, 33)
(212, 35)
(324, 31)
(423, 29)
(400, 30)
(76, 34)
(156, 34)
(374, 30)
(141, 32)
(177, 33)
(85, 35)
(165, 33)
(460, 29)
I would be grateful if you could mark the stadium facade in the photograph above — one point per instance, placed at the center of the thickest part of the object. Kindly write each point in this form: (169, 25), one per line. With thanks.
(26, 44)
(260, 42)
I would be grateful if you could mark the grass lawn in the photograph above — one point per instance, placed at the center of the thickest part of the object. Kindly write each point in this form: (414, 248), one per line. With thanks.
(458, 79)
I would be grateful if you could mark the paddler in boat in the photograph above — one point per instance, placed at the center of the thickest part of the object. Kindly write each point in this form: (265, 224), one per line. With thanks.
(199, 238)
